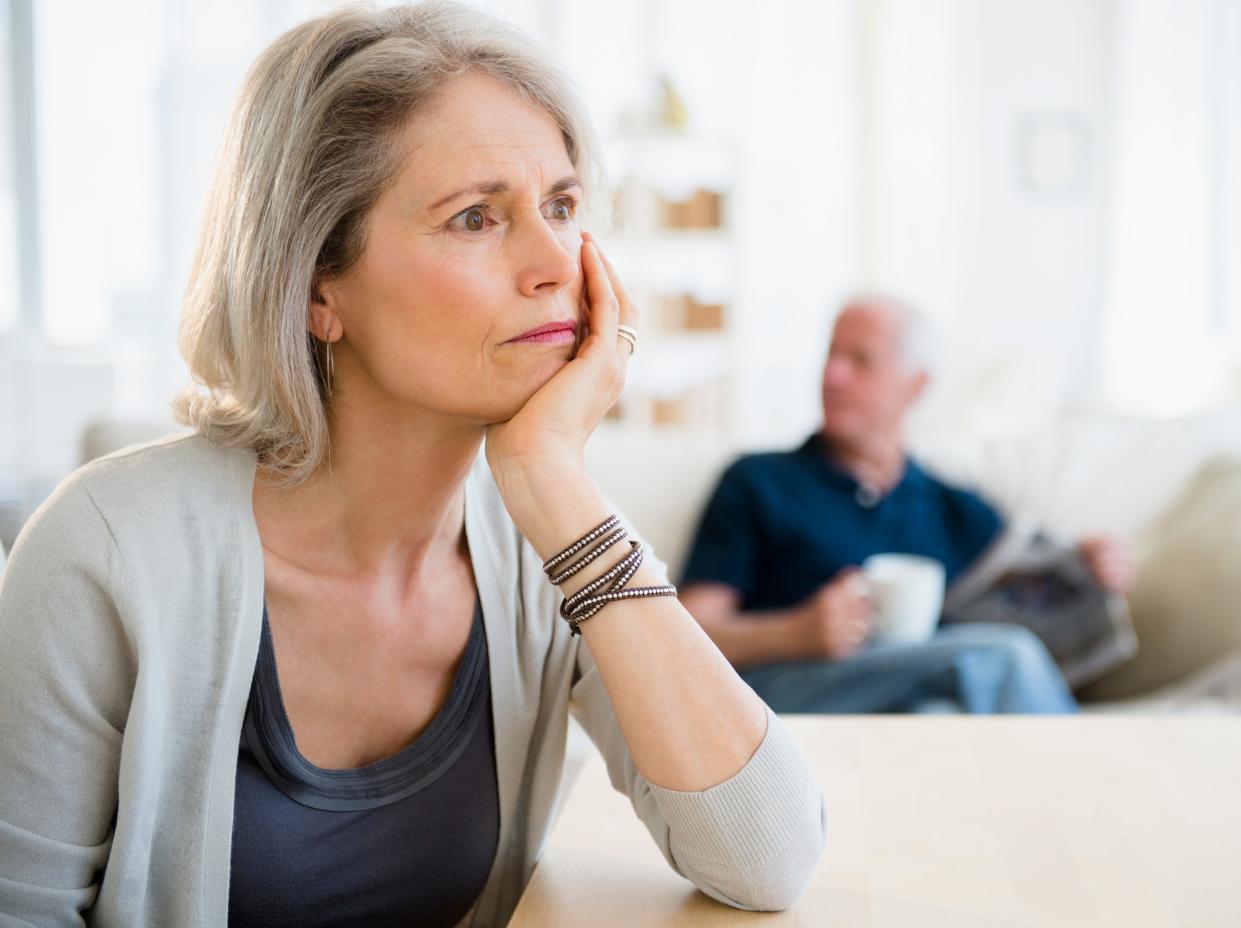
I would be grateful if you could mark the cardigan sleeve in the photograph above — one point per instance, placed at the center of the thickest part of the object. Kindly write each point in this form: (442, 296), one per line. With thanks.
(752, 841)
(66, 675)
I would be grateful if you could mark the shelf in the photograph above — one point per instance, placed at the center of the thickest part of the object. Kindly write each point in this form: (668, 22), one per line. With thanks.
(693, 263)
(672, 364)
(677, 253)
(673, 164)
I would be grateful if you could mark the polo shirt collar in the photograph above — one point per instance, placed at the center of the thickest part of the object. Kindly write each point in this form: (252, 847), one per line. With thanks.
(816, 450)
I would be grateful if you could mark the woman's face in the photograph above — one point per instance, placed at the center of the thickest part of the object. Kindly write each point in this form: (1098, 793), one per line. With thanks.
(475, 243)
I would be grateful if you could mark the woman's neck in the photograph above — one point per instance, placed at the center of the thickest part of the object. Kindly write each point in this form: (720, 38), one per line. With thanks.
(390, 497)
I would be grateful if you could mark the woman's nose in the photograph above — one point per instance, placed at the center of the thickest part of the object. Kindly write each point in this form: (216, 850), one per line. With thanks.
(546, 263)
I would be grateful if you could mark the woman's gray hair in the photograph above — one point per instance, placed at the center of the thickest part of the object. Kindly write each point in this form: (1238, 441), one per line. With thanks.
(312, 143)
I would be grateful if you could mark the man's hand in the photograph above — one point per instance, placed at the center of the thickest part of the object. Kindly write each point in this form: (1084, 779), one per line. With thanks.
(836, 620)
(1110, 561)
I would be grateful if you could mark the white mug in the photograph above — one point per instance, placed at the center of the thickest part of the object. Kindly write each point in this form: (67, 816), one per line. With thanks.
(908, 594)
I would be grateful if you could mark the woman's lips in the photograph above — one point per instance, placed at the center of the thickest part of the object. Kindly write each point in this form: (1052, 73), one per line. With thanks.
(561, 334)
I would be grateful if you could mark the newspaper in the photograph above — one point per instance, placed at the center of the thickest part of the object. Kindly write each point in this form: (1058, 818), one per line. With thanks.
(1028, 578)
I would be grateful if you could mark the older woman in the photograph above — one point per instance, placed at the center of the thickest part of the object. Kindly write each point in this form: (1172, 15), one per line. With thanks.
(304, 665)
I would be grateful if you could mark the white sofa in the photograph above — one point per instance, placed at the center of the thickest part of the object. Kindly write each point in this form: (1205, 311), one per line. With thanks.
(1172, 487)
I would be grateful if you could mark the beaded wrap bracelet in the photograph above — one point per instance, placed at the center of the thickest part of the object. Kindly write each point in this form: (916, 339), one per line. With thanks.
(607, 587)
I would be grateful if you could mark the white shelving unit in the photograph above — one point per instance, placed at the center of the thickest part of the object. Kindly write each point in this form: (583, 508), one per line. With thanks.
(674, 246)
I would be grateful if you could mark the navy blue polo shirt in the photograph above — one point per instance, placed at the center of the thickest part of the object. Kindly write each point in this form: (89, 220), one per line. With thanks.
(782, 524)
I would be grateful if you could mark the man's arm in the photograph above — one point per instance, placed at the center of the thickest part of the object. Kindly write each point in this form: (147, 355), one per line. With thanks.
(831, 624)
(758, 638)
(723, 567)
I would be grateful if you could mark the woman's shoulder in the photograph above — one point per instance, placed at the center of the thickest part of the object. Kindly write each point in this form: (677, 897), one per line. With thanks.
(154, 487)
(175, 464)
(182, 452)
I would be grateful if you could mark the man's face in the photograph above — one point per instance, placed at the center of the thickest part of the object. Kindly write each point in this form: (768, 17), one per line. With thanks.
(867, 385)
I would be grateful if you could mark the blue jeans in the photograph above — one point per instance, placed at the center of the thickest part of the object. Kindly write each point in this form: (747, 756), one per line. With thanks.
(972, 667)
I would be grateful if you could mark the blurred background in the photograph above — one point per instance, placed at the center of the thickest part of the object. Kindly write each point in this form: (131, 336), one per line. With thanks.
(1057, 182)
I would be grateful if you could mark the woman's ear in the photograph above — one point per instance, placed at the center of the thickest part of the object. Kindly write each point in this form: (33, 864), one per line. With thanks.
(325, 323)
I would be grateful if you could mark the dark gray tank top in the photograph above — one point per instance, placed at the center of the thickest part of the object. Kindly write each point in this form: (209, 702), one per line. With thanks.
(407, 840)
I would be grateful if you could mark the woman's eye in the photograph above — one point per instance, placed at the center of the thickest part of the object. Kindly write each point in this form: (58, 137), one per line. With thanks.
(474, 219)
(562, 210)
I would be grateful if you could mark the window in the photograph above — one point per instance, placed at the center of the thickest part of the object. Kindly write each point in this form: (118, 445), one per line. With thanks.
(1175, 285)
(96, 89)
(9, 152)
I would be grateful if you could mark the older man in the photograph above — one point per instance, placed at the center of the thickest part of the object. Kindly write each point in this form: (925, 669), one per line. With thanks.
(773, 577)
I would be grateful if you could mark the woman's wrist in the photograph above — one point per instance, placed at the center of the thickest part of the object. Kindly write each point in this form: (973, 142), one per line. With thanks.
(551, 503)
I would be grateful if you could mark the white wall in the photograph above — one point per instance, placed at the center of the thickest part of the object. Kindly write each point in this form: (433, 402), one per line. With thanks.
(1016, 276)
(797, 213)
(1040, 258)
(915, 125)
(1174, 306)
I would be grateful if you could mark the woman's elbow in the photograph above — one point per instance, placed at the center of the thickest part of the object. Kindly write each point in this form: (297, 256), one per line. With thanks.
(776, 883)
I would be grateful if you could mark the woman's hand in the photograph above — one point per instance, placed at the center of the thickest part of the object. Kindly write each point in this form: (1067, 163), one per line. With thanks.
(536, 456)
(556, 421)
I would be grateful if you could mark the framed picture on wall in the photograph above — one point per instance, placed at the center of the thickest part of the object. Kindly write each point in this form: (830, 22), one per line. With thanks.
(1053, 154)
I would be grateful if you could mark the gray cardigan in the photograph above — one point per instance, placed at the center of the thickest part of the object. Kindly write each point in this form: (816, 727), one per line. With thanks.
(130, 613)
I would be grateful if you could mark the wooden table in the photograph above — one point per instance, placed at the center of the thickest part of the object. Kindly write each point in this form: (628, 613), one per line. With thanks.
(954, 822)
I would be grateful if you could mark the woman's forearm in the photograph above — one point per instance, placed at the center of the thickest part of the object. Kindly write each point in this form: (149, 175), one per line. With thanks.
(751, 639)
(688, 719)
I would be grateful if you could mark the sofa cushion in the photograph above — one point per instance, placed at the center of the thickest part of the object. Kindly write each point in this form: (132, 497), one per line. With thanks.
(1187, 603)
(660, 480)
(1090, 473)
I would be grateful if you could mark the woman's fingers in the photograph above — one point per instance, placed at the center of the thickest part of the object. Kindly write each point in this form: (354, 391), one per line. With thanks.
(607, 309)
(595, 265)
(628, 310)
(604, 305)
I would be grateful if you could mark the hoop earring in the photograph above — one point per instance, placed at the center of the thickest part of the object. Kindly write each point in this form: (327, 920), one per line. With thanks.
(329, 369)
